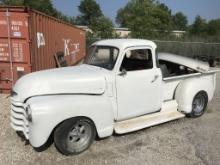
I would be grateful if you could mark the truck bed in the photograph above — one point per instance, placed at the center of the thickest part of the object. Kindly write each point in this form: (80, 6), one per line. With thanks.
(170, 84)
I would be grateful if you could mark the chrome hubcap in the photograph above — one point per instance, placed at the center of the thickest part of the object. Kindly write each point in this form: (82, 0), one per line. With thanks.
(79, 135)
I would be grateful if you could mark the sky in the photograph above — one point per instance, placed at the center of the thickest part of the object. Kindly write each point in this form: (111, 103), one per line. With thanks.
(208, 9)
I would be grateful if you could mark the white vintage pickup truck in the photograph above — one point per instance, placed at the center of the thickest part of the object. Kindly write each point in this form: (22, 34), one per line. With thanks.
(123, 86)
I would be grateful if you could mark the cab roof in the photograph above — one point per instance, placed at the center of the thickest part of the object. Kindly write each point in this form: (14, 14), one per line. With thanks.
(125, 43)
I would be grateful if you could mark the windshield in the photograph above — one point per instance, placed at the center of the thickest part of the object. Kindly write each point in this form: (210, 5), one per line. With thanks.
(102, 56)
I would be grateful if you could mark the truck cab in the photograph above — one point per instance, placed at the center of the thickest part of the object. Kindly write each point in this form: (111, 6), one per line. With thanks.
(135, 73)
(123, 86)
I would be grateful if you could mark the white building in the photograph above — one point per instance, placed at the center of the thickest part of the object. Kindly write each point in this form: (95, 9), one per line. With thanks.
(178, 33)
(122, 32)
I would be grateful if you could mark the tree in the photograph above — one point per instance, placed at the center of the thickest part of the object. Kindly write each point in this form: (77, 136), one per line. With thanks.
(91, 15)
(165, 8)
(89, 10)
(145, 18)
(180, 21)
(102, 27)
(44, 6)
(213, 27)
(12, 2)
(199, 27)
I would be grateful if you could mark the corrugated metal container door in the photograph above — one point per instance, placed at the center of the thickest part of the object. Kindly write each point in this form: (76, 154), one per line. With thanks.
(14, 47)
(50, 36)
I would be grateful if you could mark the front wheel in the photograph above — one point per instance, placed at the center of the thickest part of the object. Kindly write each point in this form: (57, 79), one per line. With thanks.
(199, 104)
(74, 136)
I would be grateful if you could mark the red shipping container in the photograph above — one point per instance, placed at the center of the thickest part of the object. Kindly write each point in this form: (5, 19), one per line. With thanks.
(29, 40)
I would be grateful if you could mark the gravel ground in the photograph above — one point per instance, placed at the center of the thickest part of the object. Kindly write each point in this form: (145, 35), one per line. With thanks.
(184, 141)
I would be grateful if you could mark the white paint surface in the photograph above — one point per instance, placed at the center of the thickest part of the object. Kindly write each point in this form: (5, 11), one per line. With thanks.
(105, 97)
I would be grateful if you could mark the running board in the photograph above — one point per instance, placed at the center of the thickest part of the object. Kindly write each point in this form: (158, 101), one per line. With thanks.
(168, 113)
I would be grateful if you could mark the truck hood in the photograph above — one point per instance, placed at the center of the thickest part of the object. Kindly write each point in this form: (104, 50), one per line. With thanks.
(83, 79)
(197, 65)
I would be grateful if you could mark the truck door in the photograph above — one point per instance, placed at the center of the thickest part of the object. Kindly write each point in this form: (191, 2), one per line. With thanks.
(138, 83)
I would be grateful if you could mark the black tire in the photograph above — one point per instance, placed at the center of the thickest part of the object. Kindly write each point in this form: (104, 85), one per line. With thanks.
(74, 136)
(199, 104)
(20, 134)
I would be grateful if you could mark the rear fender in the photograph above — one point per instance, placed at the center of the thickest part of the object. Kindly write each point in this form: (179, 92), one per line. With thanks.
(188, 88)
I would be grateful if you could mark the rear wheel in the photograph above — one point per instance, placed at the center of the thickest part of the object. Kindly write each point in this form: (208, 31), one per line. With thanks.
(74, 136)
(199, 104)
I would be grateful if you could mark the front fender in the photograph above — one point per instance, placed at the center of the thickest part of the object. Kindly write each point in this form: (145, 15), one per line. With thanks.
(188, 88)
(49, 111)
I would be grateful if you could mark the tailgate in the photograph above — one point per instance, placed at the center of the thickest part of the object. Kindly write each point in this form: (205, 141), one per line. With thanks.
(212, 72)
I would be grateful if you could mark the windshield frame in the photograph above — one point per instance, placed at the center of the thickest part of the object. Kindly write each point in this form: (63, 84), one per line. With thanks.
(101, 46)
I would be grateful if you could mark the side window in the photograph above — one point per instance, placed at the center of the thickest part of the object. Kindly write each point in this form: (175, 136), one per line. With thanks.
(138, 59)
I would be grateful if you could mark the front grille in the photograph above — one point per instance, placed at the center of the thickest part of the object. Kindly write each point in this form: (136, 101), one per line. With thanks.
(18, 118)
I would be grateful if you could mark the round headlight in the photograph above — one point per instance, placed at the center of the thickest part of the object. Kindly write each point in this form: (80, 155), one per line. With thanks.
(13, 93)
(28, 113)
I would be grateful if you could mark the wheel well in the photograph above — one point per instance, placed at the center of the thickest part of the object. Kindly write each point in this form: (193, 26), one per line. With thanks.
(79, 117)
(204, 93)
(193, 113)
(185, 99)
(50, 140)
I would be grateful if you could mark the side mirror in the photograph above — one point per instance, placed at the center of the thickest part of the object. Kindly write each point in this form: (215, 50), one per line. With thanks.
(123, 72)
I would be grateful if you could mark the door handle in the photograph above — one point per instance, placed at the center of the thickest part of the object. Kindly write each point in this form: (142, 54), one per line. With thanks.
(155, 78)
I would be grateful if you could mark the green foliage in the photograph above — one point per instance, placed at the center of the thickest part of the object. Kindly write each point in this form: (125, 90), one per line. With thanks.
(44, 6)
(65, 18)
(164, 7)
(12, 2)
(41, 5)
(92, 16)
(89, 9)
(102, 27)
(180, 21)
(208, 30)
(199, 27)
(145, 19)
(213, 27)
(154, 20)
